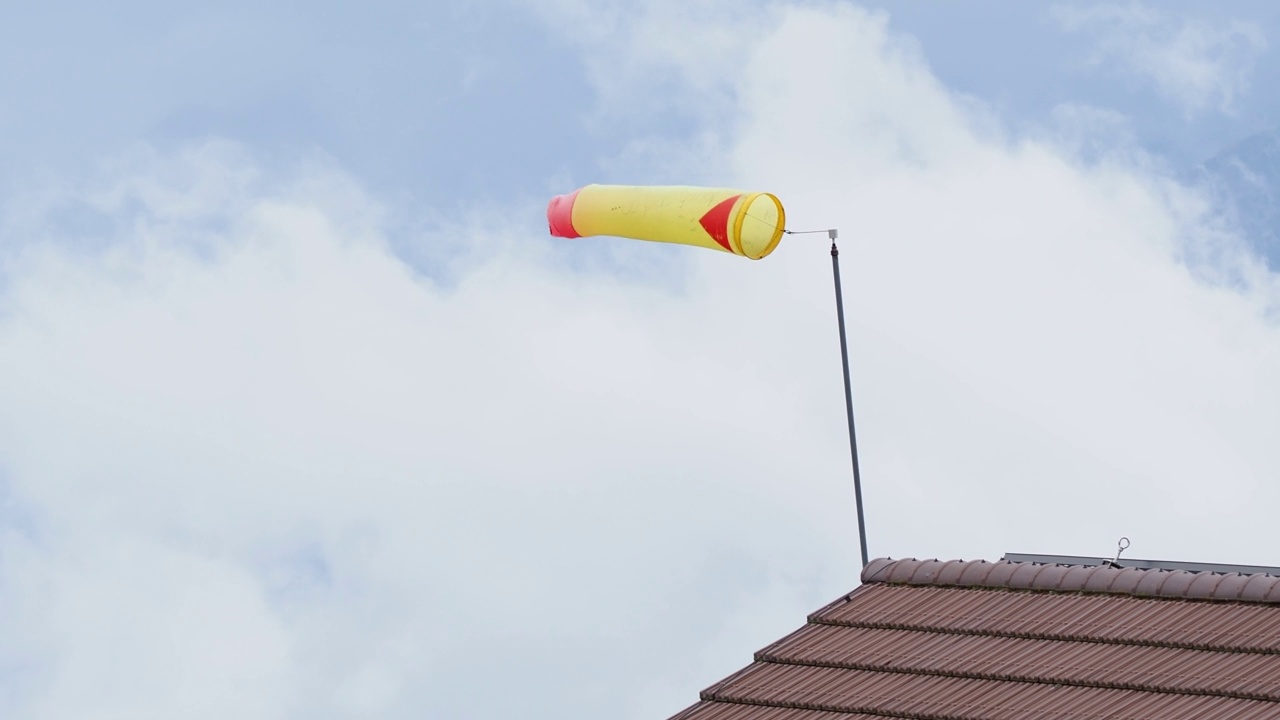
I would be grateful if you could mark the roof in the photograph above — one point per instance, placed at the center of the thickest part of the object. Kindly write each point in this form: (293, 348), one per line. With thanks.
(958, 640)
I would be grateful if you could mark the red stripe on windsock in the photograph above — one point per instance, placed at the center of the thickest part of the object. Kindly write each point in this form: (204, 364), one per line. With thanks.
(716, 222)
(560, 215)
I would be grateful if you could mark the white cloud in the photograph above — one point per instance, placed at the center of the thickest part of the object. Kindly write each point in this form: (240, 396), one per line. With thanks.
(375, 490)
(1197, 64)
(256, 465)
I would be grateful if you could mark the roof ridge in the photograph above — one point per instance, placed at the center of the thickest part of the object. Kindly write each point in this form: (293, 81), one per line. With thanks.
(1139, 582)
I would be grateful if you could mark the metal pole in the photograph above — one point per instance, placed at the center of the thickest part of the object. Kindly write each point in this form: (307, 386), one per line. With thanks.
(848, 397)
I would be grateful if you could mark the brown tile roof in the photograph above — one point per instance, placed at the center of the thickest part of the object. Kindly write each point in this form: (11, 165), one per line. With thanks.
(1015, 640)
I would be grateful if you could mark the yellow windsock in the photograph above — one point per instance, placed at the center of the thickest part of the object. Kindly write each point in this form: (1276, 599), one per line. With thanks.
(749, 224)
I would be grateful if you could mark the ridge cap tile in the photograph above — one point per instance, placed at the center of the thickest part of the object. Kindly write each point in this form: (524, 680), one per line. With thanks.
(951, 572)
(1231, 586)
(1024, 578)
(1076, 577)
(1100, 580)
(873, 569)
(1051, 577)
(1203, 586)
(1000, 574)
(1126, 581)
(1256, 589)
(932, 570)
(1149, 585)
(905, 570)
(975, 574)
(1178, 583)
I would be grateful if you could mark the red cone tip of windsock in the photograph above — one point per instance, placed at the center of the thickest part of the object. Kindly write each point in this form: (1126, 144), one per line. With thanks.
(716, 221)
(560, 215)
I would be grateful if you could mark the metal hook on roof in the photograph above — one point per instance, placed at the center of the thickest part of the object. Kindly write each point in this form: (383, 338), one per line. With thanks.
(1121, 546)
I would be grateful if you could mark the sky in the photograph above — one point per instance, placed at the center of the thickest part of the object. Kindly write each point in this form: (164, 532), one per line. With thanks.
(304, 415)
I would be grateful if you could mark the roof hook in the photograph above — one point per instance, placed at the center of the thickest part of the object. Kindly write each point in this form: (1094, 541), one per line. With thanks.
(1120, 548)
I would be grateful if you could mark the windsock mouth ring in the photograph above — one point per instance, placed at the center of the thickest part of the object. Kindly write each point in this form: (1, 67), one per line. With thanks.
(756, 251)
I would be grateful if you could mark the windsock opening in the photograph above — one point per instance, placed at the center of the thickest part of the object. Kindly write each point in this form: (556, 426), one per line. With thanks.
(759, 225)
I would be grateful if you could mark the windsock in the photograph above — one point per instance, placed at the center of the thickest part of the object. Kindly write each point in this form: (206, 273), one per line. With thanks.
(749, 224)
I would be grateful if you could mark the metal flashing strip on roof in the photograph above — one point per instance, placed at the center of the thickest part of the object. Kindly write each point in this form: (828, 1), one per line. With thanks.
(1006, 575)
(1142, 564)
